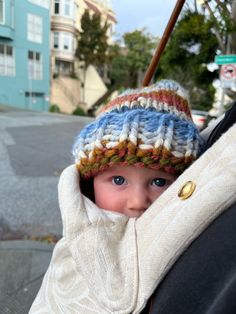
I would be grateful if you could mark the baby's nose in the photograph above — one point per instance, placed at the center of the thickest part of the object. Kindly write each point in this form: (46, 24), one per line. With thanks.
(139, 200)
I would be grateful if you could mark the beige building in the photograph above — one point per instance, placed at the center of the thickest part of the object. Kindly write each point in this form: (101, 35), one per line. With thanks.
(101, 7)
(71, 86)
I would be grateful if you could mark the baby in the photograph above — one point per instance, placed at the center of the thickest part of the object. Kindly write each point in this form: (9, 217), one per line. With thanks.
(125, 160)
(137, 147)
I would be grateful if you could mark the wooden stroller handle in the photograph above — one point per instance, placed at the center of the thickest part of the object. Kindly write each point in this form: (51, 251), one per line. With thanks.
(156, 57)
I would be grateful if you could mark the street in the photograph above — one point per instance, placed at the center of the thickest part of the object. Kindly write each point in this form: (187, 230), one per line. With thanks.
(34, 149)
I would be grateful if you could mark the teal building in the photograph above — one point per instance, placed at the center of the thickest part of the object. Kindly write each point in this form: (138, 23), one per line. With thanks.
(25, 53)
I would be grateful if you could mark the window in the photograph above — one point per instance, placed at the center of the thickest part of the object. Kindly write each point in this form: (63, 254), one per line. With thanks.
(64, 8)
(64, 41)
(7, 60)
(57, 6)
(35, 28)
(34, 94)
(63, 67)
(2, 2)
(56, 40)
(35, 65)
(67, 7)
(42, 3)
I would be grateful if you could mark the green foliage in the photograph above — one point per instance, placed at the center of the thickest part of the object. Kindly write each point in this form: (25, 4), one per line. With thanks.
(185, 59)
(140, 47)
(92, 42)
(130, 61)
(78, 112)
(119, 69)
(54, 108)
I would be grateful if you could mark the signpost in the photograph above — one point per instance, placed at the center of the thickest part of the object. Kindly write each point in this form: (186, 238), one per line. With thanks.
(225, 59)
(228, 75)
(227, 70)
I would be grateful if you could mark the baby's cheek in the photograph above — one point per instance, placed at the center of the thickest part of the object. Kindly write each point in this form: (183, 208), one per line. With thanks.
(157, 193)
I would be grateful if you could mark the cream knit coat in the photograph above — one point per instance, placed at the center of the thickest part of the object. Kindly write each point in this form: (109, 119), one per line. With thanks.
(109, 263)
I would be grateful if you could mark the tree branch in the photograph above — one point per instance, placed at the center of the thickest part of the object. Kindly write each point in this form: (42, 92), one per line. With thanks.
(223, 6)
(218, 36)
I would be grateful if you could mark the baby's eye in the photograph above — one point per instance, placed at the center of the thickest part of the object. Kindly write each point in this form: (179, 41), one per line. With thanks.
(118, 180)
(159, 182)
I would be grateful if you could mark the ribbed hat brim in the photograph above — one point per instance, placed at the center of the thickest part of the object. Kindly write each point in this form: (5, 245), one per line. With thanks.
(139, 137)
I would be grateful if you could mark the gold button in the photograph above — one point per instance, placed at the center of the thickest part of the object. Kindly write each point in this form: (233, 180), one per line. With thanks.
(187, 190)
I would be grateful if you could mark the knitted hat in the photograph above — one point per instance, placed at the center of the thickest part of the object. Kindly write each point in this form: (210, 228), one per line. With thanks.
(147, 127)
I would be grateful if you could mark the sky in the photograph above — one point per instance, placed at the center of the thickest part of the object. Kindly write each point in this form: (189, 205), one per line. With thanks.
(136, 14)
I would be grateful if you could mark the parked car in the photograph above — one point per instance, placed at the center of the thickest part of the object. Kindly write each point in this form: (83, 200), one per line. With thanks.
(200, 118)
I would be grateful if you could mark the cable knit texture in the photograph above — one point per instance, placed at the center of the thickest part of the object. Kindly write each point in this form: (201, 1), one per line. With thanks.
(109, 263)
(146, 127)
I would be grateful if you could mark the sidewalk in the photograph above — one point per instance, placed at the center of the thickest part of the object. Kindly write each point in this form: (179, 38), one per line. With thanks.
(22, 267)
(22, 262)
(34, 148)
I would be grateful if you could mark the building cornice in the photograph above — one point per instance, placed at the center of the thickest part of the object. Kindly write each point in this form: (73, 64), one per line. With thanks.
(59, 23)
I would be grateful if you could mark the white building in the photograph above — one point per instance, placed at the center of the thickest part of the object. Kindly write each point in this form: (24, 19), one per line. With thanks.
(67, 77)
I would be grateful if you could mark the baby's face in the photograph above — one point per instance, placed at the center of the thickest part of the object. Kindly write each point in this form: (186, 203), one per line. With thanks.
(130, 190)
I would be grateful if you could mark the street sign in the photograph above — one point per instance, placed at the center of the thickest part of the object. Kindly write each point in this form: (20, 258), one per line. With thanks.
(228, 75)
(225, 59)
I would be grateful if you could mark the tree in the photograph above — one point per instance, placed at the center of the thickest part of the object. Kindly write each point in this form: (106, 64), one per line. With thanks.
(118, 66)
(92, 41)
(130, 61)
(92, 44)
(191, 48)
(127, 62)
(222, 14)
(200, 34)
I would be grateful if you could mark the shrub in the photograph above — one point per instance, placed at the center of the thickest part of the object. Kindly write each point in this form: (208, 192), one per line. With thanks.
(54, 108)
(78, 112)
